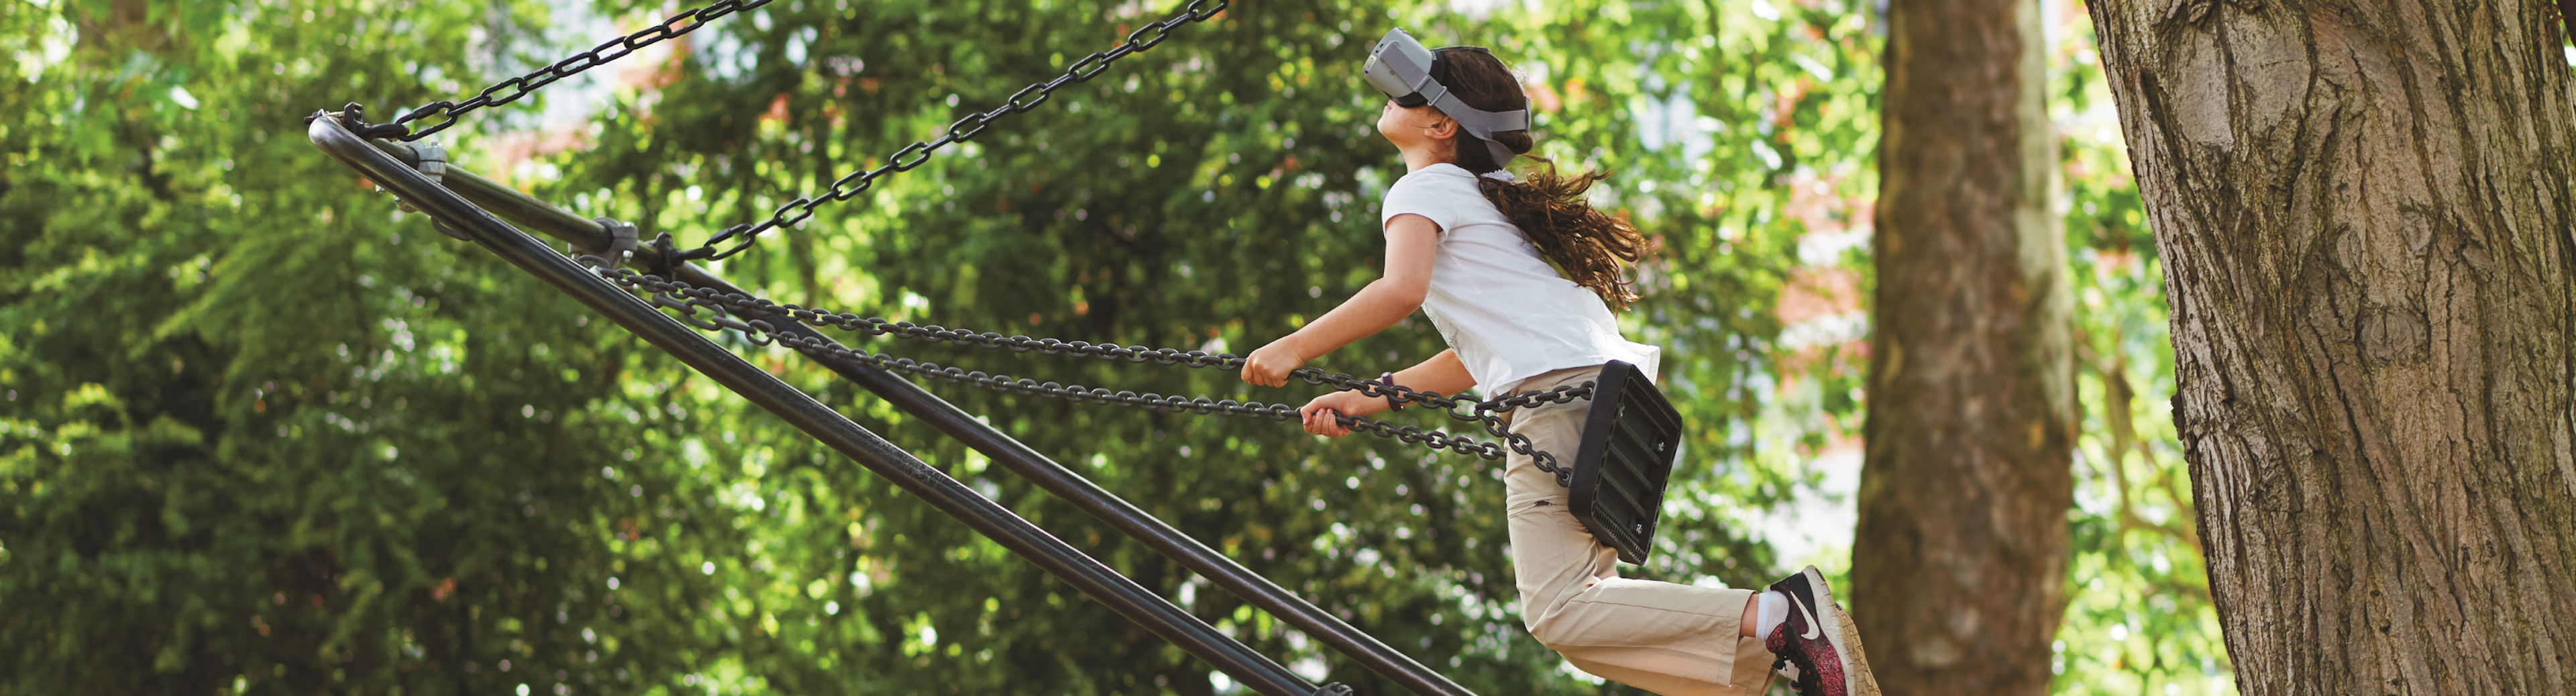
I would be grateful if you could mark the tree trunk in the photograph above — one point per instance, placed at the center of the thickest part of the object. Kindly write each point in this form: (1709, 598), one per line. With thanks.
(1959, 562)
(2364, 212)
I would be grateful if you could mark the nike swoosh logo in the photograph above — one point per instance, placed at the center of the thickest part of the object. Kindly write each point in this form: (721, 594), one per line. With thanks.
(1814, 629)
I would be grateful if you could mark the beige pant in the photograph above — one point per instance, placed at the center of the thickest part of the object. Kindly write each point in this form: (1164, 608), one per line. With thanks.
(1675, 640)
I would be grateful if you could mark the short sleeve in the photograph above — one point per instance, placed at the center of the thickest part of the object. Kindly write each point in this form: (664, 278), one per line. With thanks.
(1426, 193)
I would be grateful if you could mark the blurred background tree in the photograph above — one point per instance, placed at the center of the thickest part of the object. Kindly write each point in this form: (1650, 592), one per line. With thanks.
(1960, 553)
(265, 433)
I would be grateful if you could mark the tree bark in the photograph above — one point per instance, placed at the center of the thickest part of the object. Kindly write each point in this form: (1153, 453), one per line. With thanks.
(1959, 562)
(2364, 215)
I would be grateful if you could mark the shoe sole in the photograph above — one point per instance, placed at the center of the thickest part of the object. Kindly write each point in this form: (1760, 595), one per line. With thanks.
(1856, 672)
(1839, 633)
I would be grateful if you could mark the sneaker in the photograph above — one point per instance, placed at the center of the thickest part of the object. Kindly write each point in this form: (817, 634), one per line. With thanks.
(1817, 646)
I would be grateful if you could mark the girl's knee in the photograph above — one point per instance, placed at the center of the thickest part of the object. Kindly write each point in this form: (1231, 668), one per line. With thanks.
(1549, 631)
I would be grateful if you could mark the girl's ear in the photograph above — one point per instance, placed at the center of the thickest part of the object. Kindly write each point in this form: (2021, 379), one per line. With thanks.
(1443, 129)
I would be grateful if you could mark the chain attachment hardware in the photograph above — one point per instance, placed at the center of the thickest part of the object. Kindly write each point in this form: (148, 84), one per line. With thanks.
(621, 241)
(428, 158)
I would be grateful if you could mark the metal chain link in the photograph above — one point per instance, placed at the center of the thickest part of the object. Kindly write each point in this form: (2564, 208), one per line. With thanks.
(521, 86)
(904, 160)
(842, 189)
(728, 311)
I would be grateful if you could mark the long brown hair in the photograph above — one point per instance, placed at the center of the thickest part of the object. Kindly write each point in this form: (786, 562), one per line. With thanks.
(1587, 244)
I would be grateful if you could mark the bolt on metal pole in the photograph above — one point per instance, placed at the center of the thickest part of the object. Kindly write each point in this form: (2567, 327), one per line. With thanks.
(1102, 584)
(1048, 474)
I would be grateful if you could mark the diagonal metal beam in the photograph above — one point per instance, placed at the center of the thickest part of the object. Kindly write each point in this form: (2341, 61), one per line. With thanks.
(986, 517)
(1000, 447)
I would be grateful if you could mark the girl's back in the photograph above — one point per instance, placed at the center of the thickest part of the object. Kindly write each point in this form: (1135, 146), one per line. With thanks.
(1494, 298)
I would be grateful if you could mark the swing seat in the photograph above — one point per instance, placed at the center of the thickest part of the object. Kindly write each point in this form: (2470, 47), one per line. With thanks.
(1630, 436)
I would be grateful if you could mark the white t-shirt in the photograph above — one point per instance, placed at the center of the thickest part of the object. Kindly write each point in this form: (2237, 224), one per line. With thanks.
(1495, 299)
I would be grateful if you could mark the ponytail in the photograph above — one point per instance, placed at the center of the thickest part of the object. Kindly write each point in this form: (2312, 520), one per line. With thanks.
(1586, 244)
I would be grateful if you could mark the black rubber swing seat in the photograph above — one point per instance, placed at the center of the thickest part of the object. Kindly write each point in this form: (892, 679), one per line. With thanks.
(1630, 437)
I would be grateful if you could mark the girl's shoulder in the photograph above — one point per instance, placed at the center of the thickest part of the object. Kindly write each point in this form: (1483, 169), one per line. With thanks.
(1445, 193)
(1443, 170)
(1446, 169)
(1437, 179)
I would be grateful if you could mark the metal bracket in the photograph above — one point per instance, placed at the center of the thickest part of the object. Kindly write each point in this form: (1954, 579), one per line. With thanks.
(621, 241)
(428, 158)
(431, 161)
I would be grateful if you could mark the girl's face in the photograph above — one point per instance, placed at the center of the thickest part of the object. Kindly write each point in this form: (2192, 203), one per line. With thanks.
(1417, 128)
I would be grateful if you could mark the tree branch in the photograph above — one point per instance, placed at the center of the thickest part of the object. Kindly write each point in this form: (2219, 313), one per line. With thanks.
(2117, 396)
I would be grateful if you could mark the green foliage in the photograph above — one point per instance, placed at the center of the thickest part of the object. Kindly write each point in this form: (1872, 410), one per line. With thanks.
(264, 432)
(255, 438)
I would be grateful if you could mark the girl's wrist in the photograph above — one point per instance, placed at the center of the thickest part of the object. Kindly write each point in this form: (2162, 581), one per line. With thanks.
(1354, 407)
(1295, 343)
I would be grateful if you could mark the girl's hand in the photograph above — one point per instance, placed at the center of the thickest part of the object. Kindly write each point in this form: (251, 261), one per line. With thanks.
(1318, 414)
(1270, 365)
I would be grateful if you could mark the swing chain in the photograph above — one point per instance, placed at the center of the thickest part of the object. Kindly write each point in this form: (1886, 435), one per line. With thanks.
(728, 312)
(851, 185)
(521, 86)
(754, 317)
(1487, 412)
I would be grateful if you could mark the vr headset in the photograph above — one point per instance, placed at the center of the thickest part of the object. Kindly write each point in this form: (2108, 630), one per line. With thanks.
(1401, 68)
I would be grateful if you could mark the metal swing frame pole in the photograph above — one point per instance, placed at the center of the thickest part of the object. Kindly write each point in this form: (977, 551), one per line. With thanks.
(1098, 581)
(1000, 447)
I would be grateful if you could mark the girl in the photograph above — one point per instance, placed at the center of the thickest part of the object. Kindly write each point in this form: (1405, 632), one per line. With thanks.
(1470, 245)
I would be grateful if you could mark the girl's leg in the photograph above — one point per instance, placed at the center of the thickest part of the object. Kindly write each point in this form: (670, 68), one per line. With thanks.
(1677, 640)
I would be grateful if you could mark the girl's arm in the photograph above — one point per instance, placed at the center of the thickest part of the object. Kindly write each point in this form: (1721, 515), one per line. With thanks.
(1442, 373)
(1411, 243)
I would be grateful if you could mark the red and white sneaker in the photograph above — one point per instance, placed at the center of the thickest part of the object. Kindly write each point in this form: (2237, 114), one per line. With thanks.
(1817, 646)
